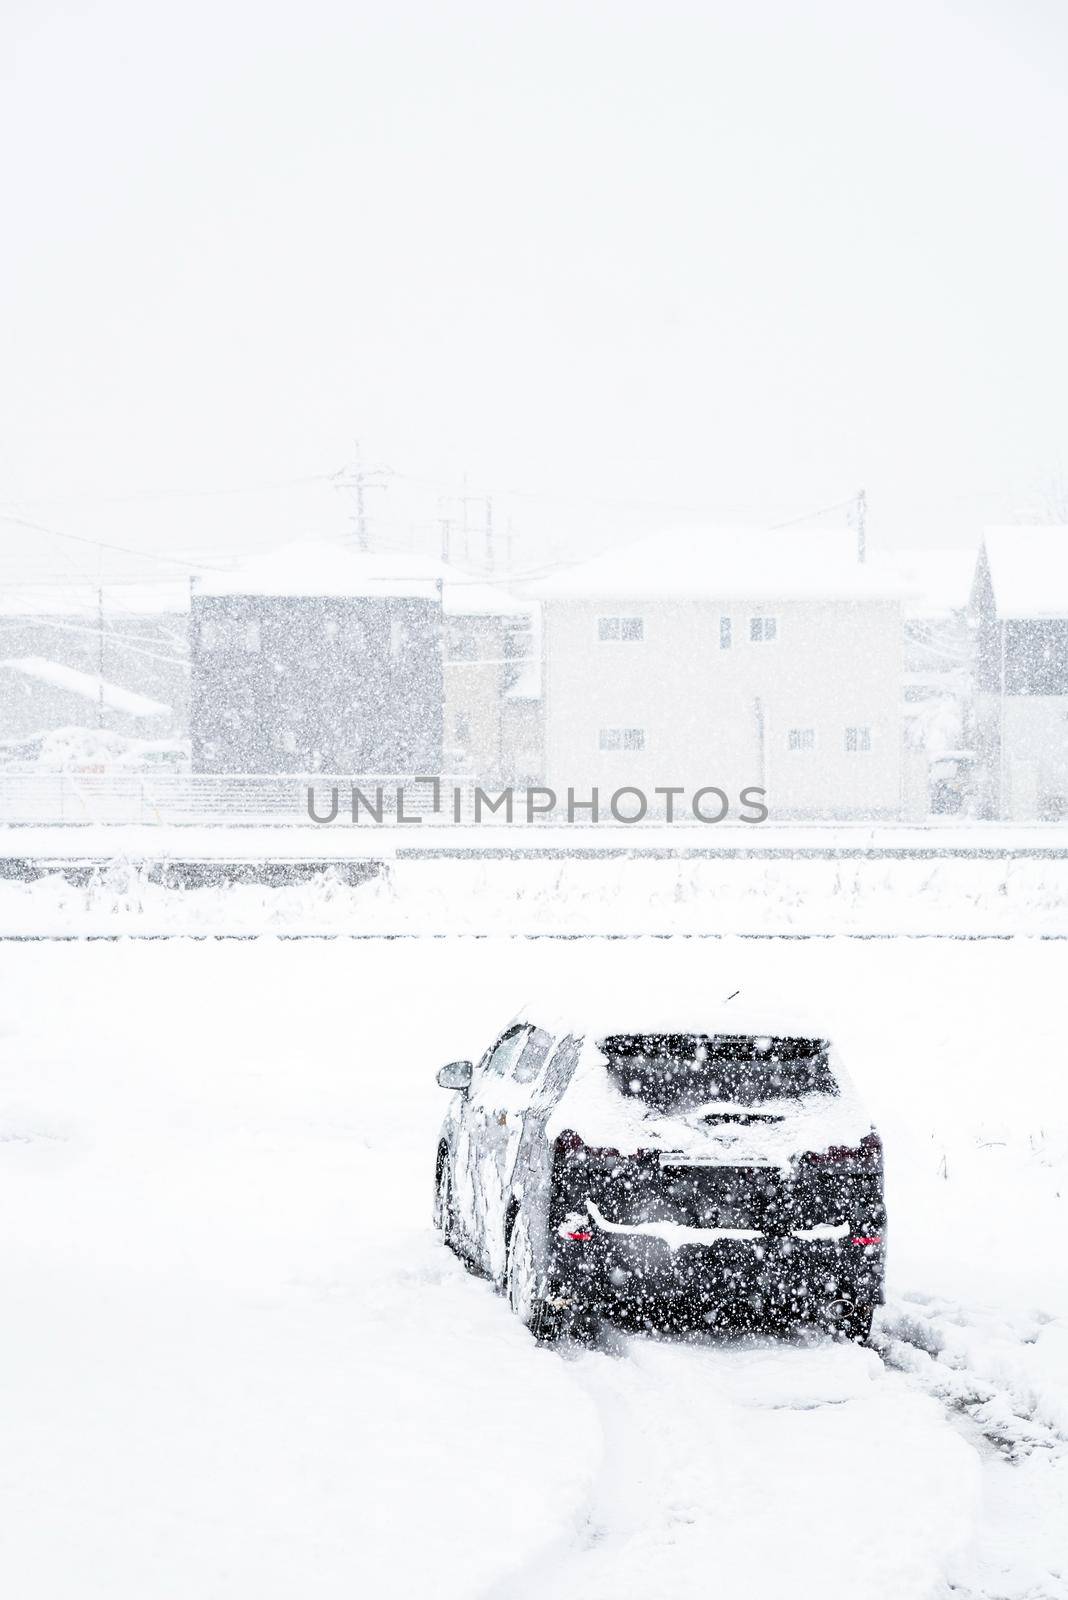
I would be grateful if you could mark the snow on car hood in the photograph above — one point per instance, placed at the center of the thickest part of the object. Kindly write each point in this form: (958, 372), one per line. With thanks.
(594, 1108)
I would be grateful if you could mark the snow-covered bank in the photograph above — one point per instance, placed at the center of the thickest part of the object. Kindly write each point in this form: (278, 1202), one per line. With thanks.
(948, 896)
(237, 838)
(236, 1362)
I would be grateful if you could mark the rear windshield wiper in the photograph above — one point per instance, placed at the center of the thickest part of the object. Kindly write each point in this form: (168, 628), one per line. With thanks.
(744, 1117)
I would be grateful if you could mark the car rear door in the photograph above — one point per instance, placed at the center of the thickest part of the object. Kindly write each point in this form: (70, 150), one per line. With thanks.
(478, 1183)
(533, 1171)
(518, 1091)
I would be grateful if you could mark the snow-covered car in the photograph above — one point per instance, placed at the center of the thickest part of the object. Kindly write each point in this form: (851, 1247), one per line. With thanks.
(726, 1164)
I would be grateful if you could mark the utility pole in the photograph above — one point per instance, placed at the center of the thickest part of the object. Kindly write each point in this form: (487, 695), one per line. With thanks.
(464, 502)
(359, 480)
(489, 534)
(361, 514)
(862, 526)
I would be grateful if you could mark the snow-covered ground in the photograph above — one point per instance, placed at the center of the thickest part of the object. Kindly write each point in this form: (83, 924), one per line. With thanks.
(237, 1363)
(567, 897)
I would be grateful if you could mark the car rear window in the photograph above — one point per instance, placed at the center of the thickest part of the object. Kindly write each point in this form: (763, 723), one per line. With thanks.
(681, 1071)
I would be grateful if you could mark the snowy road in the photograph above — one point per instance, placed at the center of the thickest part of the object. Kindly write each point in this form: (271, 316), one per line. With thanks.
(235, 1361)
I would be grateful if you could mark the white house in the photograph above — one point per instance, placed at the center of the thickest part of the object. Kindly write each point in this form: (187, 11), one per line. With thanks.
(1020, 604)
(133, 635)
(732, 658)
(38, 695)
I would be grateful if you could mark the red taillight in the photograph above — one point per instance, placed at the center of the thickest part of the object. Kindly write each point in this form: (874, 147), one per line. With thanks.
(867, 1238)
(575, 1149)
(581, 1237)
(868, 1153)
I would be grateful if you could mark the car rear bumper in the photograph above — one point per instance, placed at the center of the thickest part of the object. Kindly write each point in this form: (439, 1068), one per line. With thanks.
(801, 1274)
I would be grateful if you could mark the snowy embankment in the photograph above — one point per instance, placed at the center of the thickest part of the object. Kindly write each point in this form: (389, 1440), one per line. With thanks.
(955, 897)
(237, 1362)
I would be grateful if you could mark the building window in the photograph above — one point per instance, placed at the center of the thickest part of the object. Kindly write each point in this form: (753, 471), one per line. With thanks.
(622, 739)
(251, 637)
(724, 633)
(801, 739)
(462, 647)
(461, 727)
(762, 630)
(628, 629)
(857, 740)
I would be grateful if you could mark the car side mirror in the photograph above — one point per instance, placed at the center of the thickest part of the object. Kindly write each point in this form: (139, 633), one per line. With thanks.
(455, 1075)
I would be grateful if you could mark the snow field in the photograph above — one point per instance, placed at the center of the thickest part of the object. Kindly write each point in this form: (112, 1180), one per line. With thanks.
(237, 1362)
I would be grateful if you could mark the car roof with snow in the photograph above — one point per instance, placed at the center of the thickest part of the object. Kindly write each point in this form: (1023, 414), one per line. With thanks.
(602, 1017)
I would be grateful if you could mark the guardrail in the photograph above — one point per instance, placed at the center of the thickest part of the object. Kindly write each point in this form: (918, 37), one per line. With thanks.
(219, 800)
(222, 800)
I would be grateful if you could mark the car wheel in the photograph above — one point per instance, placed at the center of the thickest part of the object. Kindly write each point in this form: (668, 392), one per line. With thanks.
(521, 1283)
(857, 1325)
(444, 1210)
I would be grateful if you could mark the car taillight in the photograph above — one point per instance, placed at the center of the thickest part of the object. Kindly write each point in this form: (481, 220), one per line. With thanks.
(867, 1155)
(867, 1238)
(575, 1228)
(572, 1148)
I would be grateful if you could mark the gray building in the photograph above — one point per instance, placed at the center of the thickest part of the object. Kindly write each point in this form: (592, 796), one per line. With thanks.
(309, 661)
(1020, 605)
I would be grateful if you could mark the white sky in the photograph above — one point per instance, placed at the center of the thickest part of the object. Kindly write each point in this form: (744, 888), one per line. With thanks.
(715, 258)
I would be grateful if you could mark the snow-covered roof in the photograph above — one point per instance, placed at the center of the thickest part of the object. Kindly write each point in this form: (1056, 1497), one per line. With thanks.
(467, 597)
(936, 582)
(317, 567)
(725, 564)
(86, 685)
(1028, 570)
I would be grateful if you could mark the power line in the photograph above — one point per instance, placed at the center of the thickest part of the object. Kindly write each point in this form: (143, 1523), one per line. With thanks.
(172, 494)
(104, 544)
(810, 516)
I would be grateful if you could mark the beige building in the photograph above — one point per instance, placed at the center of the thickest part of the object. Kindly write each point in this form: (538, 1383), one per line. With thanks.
(729, 659)
(488, 651)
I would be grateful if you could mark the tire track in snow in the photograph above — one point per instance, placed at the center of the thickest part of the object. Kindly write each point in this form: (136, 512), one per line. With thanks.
(999, 1376)
(974, 1363)
(763, 1468)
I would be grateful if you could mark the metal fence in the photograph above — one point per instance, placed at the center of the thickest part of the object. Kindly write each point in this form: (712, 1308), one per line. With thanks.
(219, 800)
